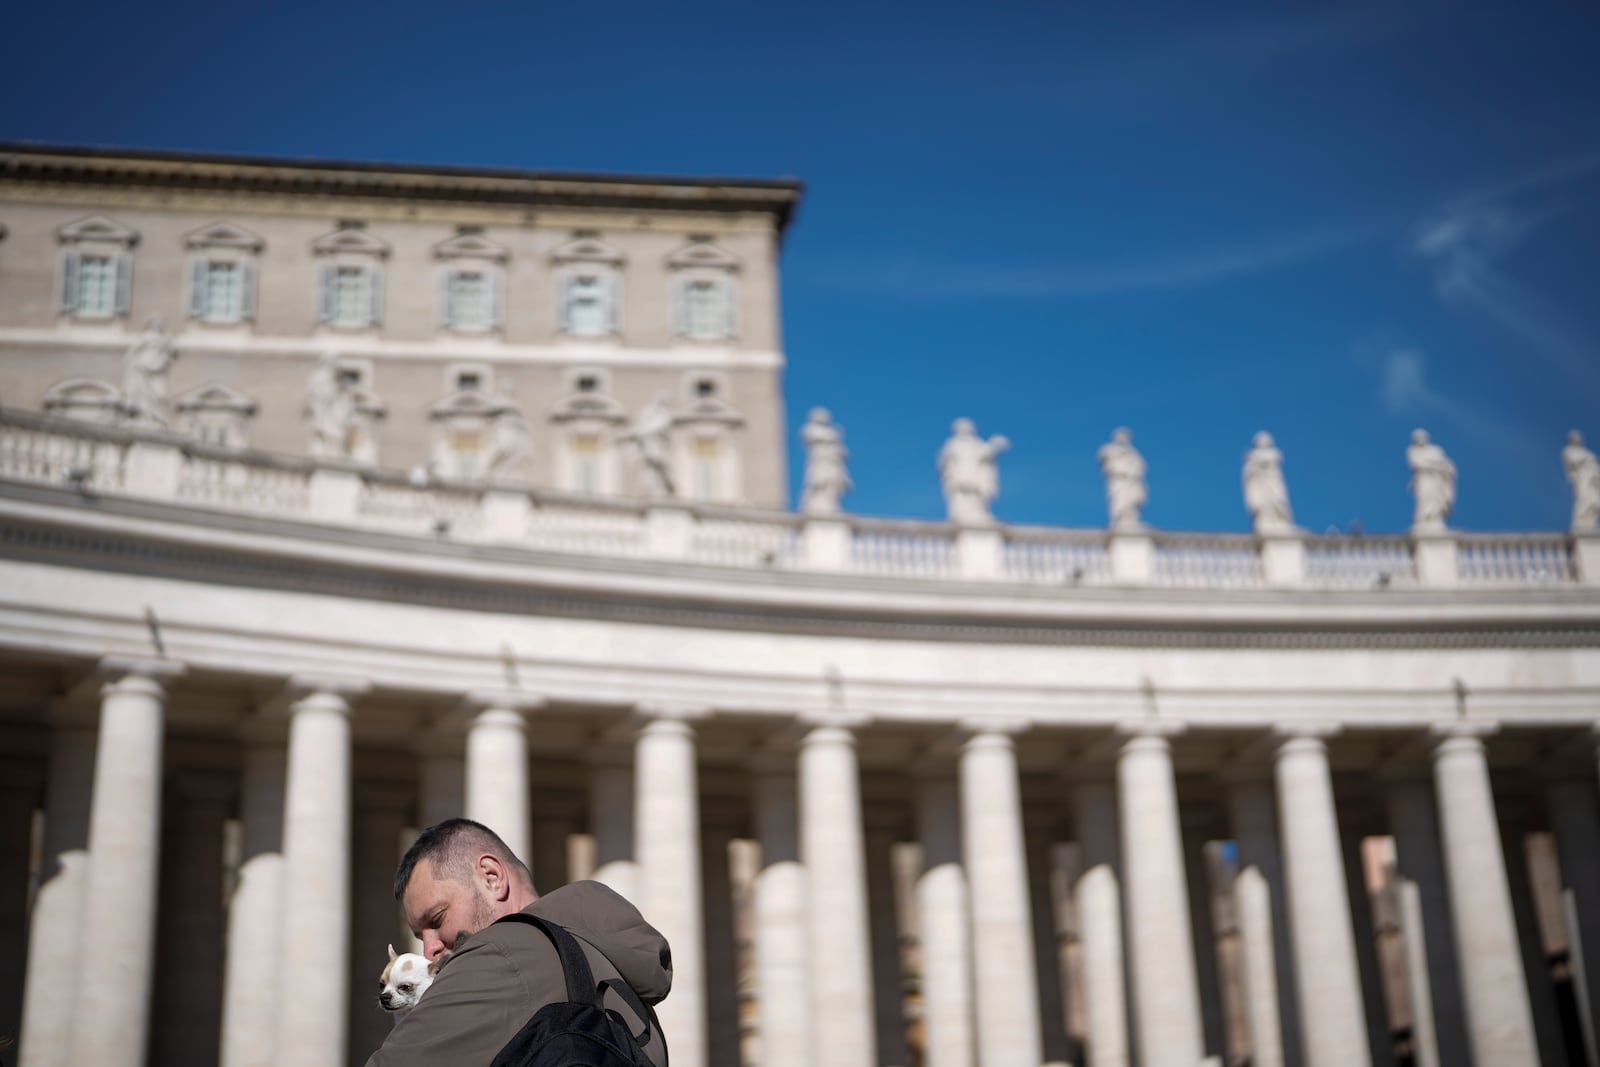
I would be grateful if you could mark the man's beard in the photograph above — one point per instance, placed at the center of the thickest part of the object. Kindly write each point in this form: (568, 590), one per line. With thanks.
(482, 915)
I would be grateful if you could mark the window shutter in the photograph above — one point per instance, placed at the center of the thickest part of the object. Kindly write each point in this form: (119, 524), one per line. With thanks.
(447, 302)
(564, 299)
(197, 287)
(325, 280)
(375, 292)
(247, 290)
(608, 293)
(730, 308)
(69, 280)
(497, 297)
(124, 281)
(682, 294)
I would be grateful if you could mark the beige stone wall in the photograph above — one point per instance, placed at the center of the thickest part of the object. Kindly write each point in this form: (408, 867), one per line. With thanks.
(409, 353)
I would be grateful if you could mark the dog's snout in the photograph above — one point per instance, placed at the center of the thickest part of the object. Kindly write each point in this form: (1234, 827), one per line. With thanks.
(385, 996)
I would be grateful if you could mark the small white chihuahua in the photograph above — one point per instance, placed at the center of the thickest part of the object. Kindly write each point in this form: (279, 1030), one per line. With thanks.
(405, 978)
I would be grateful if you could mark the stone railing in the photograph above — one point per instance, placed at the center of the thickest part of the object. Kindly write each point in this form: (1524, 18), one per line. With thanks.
(99, 459)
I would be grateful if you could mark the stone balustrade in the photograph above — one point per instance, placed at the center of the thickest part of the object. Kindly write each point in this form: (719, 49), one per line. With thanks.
(102, 459)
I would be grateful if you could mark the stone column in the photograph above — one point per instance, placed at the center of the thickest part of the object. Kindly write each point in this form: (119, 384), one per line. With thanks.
(1258, 891)
(1438, 1026)
(1005, 981)
(1499, 1018)
(832, 850)
(1057, 1045)
(667, 843)
(497, 767)
(1098, 898)
(1202, 920)
(52, 974)
(312, 1019)
(379, 816)
(186, 1019)
(782, 951)
(1166, 992)
(251, 979)
(944, 929)
(1575, 816)
(1332, 1017)
(119, 901)
(611, 823)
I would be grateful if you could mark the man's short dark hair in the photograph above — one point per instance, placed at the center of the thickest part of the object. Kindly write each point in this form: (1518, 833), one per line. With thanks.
(451, 847)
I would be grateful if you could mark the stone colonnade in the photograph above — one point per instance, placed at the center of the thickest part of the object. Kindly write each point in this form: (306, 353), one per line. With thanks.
(1305, 973)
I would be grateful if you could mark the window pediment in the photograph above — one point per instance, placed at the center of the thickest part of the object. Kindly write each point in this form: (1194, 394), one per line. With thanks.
(215, 397)
(587, 250)
(705, 255)
(471, 403)
(591, 406)
(224, 235)
(98, 228)
(359, 242)
(711, 409)
(471, 246)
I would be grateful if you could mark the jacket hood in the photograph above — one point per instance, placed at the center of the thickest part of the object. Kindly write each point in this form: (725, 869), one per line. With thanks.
(593, 912)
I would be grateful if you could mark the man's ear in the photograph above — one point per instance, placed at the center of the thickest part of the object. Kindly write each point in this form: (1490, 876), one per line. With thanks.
(495, 876)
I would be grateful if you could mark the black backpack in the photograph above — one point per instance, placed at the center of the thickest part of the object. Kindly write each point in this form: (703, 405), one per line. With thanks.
(581, 1031)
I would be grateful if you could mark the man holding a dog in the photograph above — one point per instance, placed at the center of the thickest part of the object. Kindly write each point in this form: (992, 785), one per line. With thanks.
(454, 882)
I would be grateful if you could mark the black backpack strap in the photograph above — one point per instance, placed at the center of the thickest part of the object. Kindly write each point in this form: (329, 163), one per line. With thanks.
(574, 964)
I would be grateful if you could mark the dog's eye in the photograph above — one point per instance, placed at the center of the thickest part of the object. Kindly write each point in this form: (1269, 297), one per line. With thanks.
(406, 988)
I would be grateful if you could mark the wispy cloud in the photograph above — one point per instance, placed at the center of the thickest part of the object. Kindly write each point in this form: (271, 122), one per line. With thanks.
(1466, 241)
(1183, 269)
(1404, 389)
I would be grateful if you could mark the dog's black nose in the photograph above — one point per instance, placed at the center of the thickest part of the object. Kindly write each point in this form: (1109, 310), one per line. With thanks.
(385, 997)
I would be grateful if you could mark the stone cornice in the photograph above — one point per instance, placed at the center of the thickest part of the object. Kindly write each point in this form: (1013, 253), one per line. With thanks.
(117, 534)
(185, 171)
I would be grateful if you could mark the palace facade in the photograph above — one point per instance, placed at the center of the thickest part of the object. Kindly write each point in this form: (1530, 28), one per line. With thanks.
(336, 499)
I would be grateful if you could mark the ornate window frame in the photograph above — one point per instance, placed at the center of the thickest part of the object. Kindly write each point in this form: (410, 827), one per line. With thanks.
(702, 263)
(221, 243)
(216, 414)
(584, 257)
(349, 247)
(96, 238)
(471, 253)
(588, 423)
(708, 459)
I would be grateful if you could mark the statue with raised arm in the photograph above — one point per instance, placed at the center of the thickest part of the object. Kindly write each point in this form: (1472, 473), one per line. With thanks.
(1583, 473)
(1433, 482)
(144, 374)
(1124, 470)
(827, 478)
(969, 474)
(510, 445)
(1265, 493)
(330, 408)
(652, 436)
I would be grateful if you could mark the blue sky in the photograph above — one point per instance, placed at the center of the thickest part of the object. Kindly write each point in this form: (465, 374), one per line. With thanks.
(1331, 221)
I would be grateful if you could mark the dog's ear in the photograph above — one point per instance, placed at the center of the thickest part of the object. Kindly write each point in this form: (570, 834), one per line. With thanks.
(392, 956)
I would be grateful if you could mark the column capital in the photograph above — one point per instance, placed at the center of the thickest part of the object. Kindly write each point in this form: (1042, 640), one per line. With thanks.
(1477, 728)
(1318, 730)
(807, 721)
(828, 733)
(114, 669)
(1007, 727)
(477, 701)
(129, 674)
(658, 711)
(303, 690)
